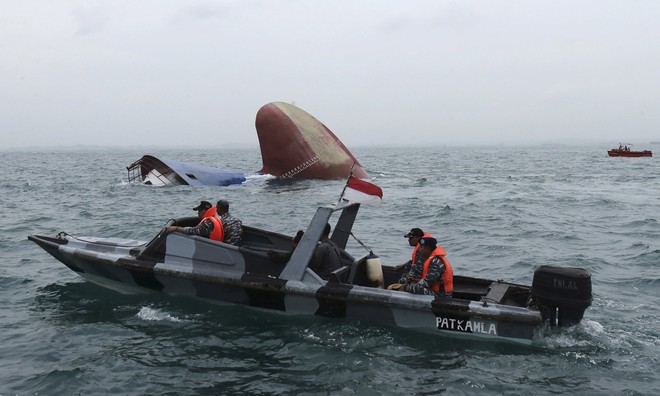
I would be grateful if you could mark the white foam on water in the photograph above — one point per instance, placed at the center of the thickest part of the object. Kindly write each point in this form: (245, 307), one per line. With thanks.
(258, 177)
(586, 333)
(150, 314)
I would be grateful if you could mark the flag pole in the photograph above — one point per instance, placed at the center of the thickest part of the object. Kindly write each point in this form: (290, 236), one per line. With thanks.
(346, 185)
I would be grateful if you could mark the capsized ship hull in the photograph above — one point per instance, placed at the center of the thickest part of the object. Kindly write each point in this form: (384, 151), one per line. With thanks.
(179, 264)
(294, 145)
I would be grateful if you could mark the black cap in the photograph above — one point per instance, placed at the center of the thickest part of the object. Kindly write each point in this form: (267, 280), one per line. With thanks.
(414, 232)
(223, 204)
(206, 205)
(428, 241)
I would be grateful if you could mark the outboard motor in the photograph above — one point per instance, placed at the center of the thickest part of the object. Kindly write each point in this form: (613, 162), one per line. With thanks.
(562, 294)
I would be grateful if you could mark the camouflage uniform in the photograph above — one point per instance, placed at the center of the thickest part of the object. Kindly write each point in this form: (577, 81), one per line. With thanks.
(409, 264)
(233, 228)
(203, 229)
(412, 282)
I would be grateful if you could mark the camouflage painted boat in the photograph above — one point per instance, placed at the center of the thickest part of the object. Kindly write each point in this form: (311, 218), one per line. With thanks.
(179, 264)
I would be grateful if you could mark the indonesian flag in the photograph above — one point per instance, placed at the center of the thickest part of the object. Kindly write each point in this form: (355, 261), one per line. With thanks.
(360, 191)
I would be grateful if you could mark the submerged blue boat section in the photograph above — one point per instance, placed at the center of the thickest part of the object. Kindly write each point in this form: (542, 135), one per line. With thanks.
(166, 172)
(197, 175)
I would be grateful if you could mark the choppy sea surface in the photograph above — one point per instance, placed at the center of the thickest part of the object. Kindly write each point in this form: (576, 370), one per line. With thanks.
(499, 211)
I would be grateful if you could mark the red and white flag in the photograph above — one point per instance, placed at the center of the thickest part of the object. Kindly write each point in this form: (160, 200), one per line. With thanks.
(360, 191)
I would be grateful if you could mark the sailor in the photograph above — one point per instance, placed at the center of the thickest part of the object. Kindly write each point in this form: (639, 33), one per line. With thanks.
(413, 240)
(432, 274)
(210, 225)
(326, 257)
(283, 258)
(233, 227)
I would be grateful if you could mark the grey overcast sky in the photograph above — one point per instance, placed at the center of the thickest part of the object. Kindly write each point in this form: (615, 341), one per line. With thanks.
(192, 73)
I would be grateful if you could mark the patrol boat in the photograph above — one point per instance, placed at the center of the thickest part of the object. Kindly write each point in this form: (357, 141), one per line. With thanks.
(179, 264)
(625, 151)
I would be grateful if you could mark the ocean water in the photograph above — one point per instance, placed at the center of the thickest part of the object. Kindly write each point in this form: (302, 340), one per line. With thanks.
(499, 211)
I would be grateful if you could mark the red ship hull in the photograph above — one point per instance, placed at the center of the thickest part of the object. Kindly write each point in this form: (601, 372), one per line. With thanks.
(626, 153)
(296, 145)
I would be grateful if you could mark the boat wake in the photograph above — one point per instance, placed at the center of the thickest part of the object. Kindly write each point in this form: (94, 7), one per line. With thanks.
(585, 334)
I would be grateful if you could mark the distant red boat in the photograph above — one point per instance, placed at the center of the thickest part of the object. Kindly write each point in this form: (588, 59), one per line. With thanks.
(625, 151)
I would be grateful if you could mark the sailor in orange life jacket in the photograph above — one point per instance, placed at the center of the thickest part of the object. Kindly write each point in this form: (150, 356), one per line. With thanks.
(413, 240)
(209, 227)
(432, 274)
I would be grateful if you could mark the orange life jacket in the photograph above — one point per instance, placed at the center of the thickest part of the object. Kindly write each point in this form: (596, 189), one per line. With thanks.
(447, 275)
(218, 232)
(414, 253)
